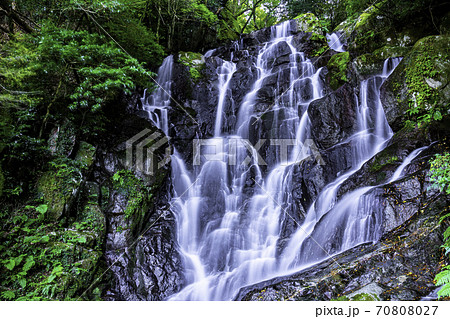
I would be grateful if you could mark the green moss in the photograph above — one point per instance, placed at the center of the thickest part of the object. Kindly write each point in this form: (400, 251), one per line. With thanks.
(54, 194)
(425, 77)
(358, 297)
(320, 44)
(59, 186)
(341, 298)
(85, 155)
(365, 16)
(195, 62)
(389, 51)
(337, 66)
(368, 64)
(136, 192)
(382, 161)
(368, 31)
(365, 297)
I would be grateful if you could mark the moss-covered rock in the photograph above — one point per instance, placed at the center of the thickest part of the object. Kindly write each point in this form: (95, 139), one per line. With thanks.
(85, 155)
(373, 29)
(92, 216)
(365, 297)
(195, 62)
(308, 22)
(48, 186)
(418, 88)
(367, 64)
(389, 51)
(58, 193)
(337, 67)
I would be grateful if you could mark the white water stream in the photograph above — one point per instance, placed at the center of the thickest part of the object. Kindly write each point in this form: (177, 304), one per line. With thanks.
(229, 239)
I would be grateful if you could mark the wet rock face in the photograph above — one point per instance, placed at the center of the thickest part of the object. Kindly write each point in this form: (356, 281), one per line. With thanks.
(140, 249)
(400, 267)
(146, 265)
(333, 117)
(193, 107)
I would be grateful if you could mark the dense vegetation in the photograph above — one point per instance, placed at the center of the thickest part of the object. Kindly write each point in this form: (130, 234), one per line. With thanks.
(65, 63)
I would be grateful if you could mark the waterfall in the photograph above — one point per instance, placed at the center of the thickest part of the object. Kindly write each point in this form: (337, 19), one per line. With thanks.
(225, 75)
(235, 244)
(227, 237)
(156, 105)
(333, 225)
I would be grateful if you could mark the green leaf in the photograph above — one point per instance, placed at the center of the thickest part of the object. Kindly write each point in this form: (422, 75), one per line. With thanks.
(28, 263)
(447, 233)
(10, 264)
(51, 278)
(437, 116)
(442, 278)
(42, 209)
(57, 270)
(44, 239)
(82, 240)
(18, 260)
(8, 295)
(23, 282)
(444, 291)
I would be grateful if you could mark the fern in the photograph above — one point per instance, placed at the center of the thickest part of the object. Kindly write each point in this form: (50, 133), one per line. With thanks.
(28, 263)
(447, 234)
(444, 291)
(8, 295)
(444, 217)
(443, 277)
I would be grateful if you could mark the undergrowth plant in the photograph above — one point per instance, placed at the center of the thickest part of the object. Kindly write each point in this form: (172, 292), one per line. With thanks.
(440, 176)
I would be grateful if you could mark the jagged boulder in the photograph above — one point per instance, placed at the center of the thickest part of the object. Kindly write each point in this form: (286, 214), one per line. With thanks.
(333, 117)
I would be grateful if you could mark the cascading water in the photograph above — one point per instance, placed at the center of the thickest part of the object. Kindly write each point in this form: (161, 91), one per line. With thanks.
(228, 240)
(333, 225)
(335, 43)
(157, 104)
(234, 248)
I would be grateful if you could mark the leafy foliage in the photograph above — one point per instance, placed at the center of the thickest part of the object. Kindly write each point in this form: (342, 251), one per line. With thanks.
(440, 171)
(440, 177)
(90, 68)
(244, 16)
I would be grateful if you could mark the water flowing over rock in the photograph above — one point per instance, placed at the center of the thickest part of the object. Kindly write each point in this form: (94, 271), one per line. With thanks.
(273, 177)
